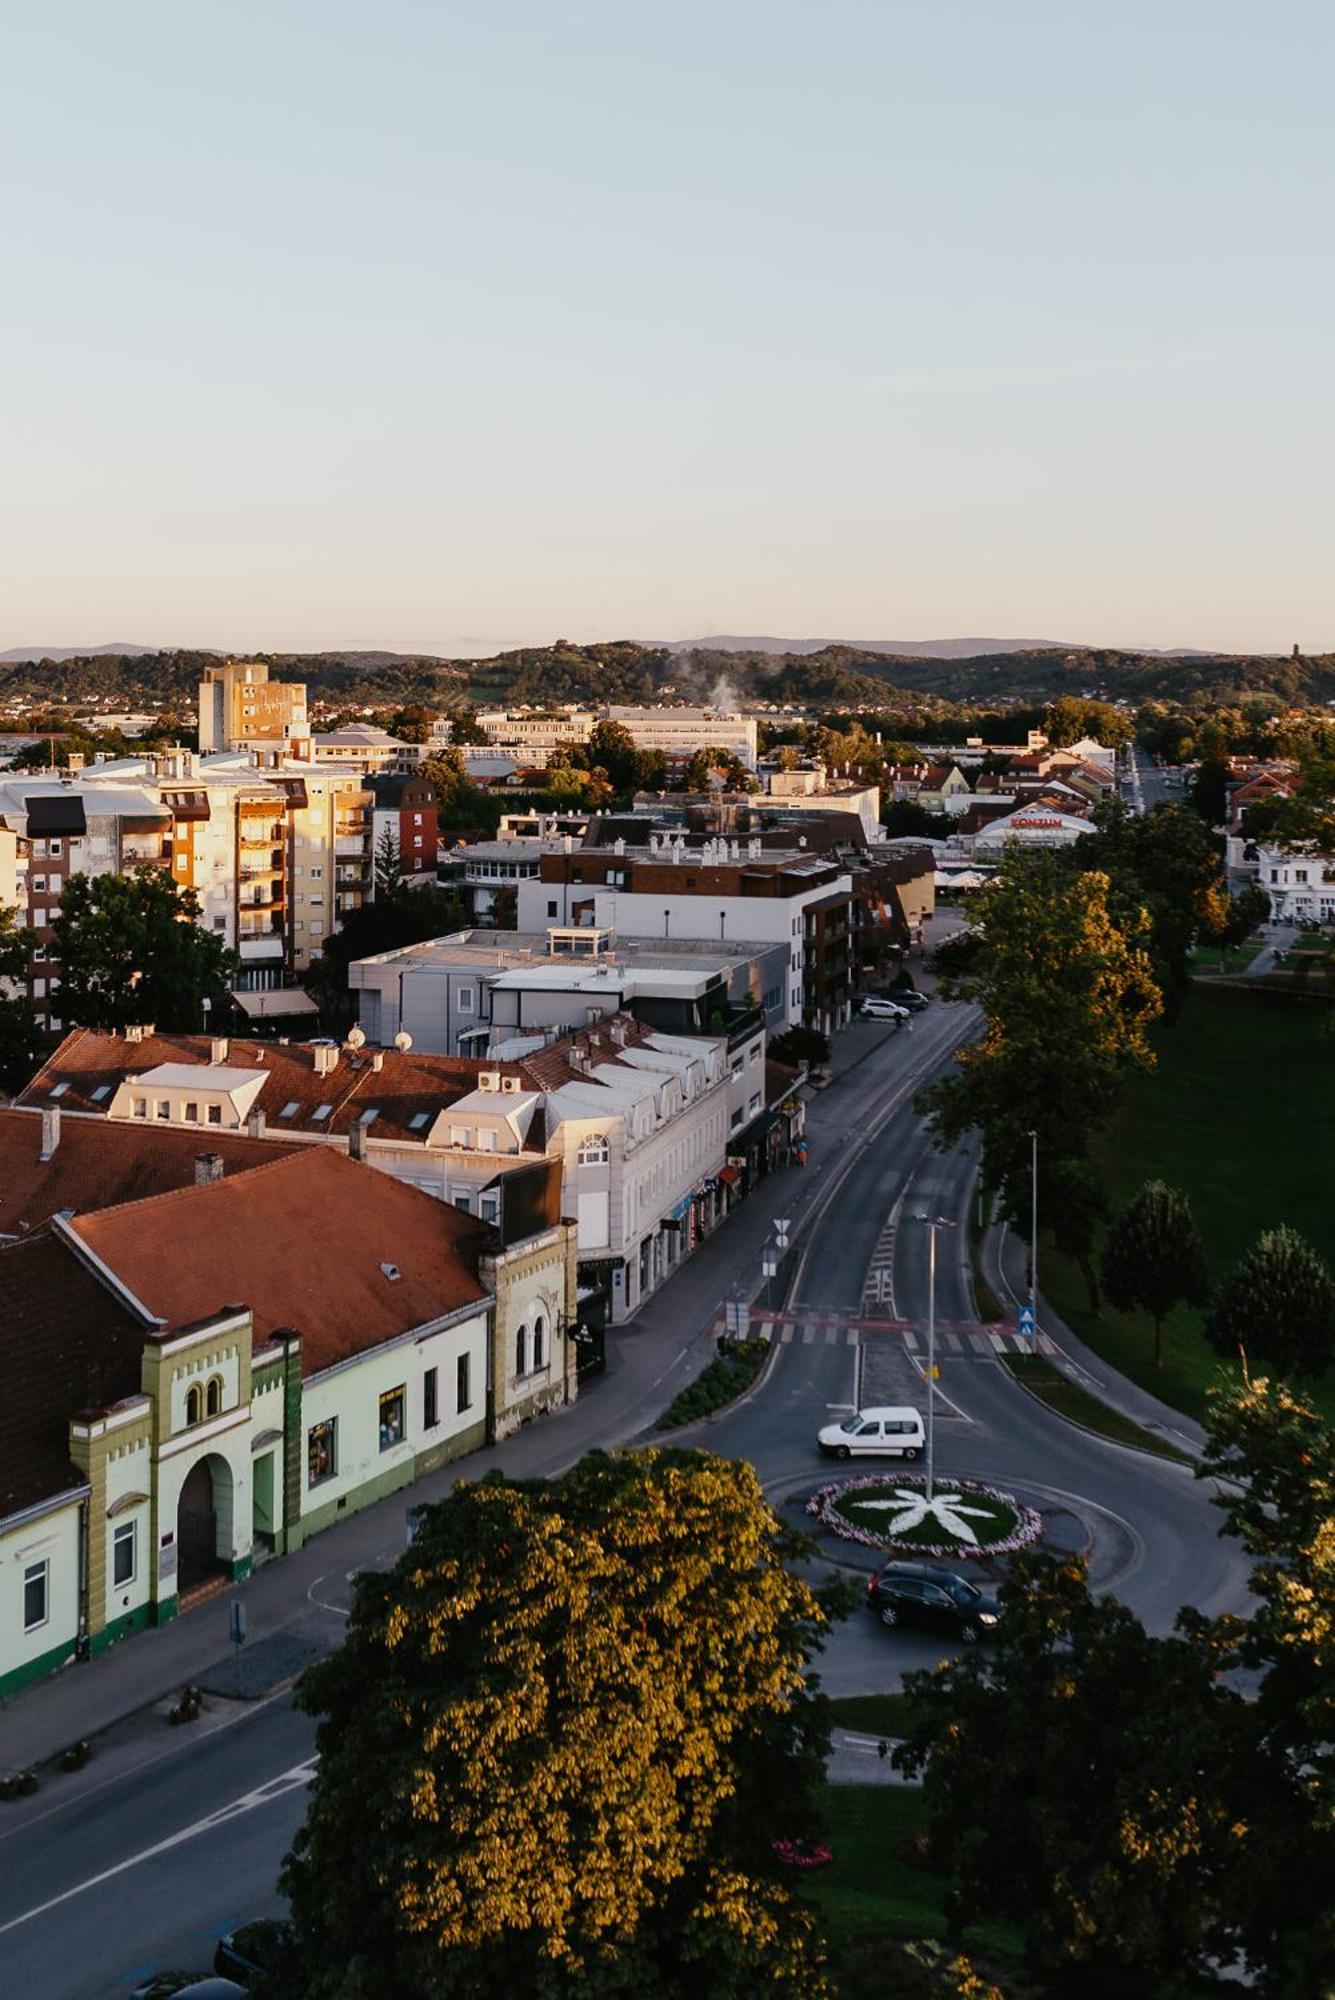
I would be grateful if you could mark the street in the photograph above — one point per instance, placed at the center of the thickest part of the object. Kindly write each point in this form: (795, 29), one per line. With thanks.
(168, 1838)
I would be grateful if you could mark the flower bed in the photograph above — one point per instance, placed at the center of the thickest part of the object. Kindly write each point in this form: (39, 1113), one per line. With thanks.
(963, 1517)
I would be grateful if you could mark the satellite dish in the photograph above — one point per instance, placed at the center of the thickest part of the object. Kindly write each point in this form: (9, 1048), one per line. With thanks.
(356, 1038)
(403, 1041)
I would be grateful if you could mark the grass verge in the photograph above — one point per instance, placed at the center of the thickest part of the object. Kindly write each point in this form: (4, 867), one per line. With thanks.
(988, 1304)
(873, 1714)
(1068, 1399)
(733, 1369)
(869, 1893)
(1239, 1112)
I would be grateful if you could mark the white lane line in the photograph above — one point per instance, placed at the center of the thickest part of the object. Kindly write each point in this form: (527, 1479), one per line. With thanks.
(785, 1336)
(300, 1775)
(808, 1333)
(851, 1336)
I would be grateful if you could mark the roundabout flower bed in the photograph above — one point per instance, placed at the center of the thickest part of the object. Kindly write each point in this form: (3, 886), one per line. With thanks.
(963, 1517)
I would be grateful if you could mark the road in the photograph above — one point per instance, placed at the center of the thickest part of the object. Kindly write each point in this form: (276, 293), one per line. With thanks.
(139, 1864)
(1144, 784)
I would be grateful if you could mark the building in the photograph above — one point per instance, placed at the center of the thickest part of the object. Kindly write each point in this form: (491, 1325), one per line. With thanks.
(814, 790)
(459, 995)
(1030, 826)
(1299, 881)
(363, 748)
(715, 890)
(680, 732)
(532, 734)
(405, 821)
(240, 708)
(202, 1379)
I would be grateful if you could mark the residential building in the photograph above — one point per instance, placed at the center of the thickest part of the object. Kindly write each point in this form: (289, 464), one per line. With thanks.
(405, 819)
(240, 708)
(156, 1443)
(814, 790)
(532, 734)
(1299, 881)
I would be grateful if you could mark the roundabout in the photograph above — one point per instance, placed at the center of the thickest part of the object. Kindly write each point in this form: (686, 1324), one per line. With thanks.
(960, 1517)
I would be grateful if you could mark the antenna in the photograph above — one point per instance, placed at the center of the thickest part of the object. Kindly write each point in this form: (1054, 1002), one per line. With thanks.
(403, 1041)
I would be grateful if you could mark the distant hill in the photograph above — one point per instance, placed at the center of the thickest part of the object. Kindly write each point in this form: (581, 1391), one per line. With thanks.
(914, 649)
(18, 654)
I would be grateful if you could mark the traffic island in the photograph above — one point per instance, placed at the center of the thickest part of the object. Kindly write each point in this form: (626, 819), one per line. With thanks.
(961, 1519)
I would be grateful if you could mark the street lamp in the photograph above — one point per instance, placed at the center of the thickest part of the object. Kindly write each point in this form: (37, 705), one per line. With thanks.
(934, 1222)
(1033, 1226)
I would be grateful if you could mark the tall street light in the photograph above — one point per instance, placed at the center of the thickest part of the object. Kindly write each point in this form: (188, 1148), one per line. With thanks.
(1033, 1230)
(933, 1222)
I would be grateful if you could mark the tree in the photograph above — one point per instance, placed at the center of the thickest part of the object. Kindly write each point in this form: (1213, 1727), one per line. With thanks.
(20, 1041)
(611, 747)
(1070, 717)
(708, 767)
(1089, 1782)
(1154, 1259)
(1207, 793)
(388, 868)
(1278, 1301)
(398, 917)
(465, 727)
(131, 949)
(558, 1744)
(1067, 995)
(1162, 863)
(798, 1045)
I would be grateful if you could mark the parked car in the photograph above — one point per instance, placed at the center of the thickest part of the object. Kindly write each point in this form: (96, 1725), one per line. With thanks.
(909, 996)
(888, 1433)
(252, 1949)
(874, 1008)
(904, 1593)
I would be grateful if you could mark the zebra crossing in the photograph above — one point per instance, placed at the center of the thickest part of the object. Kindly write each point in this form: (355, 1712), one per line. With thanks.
(960, 1342)
(878, 1287)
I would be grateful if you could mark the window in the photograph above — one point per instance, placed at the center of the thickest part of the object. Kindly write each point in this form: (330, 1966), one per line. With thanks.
(317, 874)
(103, 1090)
(539, 1341)
(53, 847)
(36, 1594)
(194, 1404)
(486, 1139)
(391, 1418)
(141, 1107)
(465, 999)
(321, 1112)
(593, 1151)
(417, 819)
(55, 883)
(521, 1351)
(192, 1114)
(123, 1554)
(213, 1396)
(415, 1123)
(463, 1390)
(489, 1205)
(290, 1109)
(37, 885)
(462, 1197)
(458, 1135)
(551, 908)
(322, 1451)
(430, 1400)
(215, 1114)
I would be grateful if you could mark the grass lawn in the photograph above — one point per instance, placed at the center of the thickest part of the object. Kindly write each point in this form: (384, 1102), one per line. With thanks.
(867, 1892)
(873, 1714)
(1068, 1399)
(1239, 1112)
(1209, 958)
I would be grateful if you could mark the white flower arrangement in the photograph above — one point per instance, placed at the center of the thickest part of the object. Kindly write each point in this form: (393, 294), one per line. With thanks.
(907, 1500)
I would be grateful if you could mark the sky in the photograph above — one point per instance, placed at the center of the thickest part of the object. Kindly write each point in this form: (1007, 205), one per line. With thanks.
(444, 327)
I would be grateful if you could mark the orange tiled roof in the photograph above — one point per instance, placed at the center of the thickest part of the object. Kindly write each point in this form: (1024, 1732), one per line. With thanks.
(300, 1241)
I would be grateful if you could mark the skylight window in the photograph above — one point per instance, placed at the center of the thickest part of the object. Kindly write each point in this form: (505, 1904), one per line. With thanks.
(103, 1090)
(59, 1089)
(418, 1120)
(369, 1117)
(321, 1111)
(290, 1109)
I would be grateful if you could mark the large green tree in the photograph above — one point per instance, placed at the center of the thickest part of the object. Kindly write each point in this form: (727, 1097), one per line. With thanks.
(20, 1042)
(558, 1745)
(1278, 1301)
(1067, 996)
(1154, 1258)
(130, 948)
(1164, 864)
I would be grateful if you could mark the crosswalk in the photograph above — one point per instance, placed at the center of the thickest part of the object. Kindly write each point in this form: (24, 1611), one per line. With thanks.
(964, 1343)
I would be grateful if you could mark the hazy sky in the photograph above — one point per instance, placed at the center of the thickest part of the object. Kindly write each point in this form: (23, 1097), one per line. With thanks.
(423, 324)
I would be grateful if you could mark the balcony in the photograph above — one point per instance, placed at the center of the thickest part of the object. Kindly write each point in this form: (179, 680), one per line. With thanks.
(350, 844)
(260, 836)
(260, 946)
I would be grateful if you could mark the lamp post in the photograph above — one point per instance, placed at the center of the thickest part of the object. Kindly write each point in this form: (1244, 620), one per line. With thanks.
(933, 1222)
(1033, 1224)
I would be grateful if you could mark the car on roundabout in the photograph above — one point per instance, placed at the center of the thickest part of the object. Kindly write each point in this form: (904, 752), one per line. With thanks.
(924, 1594)
(880, 1433)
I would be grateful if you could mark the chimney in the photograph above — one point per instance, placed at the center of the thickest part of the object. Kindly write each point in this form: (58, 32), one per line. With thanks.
(138, 1031)
(208, 1167)
(377, 1059)
(255, 1123)
(218, 1049)
(357, 1140)
(50, 1131)
(326, 1060)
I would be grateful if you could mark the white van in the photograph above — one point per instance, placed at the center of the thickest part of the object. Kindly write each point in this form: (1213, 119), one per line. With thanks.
(887, 1433)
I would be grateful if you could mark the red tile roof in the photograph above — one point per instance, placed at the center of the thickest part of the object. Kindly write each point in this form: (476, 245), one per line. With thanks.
(65, 1345)
(98, 1164)
(302, 1242)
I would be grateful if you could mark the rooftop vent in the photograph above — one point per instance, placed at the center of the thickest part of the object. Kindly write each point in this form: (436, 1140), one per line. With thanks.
(326, 1059)
(392, 1272)
(217, 1048)
(139, 1031)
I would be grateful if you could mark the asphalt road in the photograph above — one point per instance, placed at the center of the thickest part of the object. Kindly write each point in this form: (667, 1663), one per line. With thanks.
(180, 1839)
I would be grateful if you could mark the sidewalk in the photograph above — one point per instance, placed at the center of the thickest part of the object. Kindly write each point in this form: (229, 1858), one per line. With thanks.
(303, 1596)
(1005, 1260)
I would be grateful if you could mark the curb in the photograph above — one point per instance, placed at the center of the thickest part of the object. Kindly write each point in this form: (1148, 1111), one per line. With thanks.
(1185, 1461)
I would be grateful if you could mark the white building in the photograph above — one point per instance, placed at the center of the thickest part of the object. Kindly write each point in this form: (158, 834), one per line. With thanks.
(1030, 826)
(680, 732)
(1301, 886)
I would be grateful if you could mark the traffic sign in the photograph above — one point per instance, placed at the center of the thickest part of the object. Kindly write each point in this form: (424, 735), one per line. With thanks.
(1028, 1324)
(737, 1314)
(769, 1264)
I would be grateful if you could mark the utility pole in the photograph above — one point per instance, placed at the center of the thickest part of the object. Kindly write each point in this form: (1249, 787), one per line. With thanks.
(1033, 1226)
(931, 1352)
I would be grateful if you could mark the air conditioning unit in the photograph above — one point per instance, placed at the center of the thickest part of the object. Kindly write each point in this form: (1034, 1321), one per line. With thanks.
(490, 1079)
(512, 1084)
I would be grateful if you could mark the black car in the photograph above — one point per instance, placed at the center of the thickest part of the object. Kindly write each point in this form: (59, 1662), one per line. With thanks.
(910, 997)
(920, 1594)
(252, 1949)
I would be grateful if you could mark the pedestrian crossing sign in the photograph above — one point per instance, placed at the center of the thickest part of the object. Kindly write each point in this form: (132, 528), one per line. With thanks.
(1028, 1325)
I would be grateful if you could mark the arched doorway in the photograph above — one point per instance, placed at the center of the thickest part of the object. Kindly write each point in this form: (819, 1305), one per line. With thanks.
(204, 1521)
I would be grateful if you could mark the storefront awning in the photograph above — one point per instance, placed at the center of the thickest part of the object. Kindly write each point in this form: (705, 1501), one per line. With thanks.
(276, 1004)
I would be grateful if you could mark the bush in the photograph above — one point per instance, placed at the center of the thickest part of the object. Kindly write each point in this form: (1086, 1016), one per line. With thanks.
(732, 1370)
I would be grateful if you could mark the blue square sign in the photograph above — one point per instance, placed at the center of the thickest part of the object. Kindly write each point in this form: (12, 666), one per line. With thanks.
(1028, 1323)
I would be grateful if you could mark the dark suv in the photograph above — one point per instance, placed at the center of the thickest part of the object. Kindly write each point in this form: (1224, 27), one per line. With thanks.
(919, 1594)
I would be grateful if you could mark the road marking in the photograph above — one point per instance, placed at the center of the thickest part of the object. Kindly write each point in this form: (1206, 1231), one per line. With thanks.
(831, 1335)
(851, 1336)
(951, 1341)
(978, 1342)
(786, 1336)
(808, 1333)
(299, 1776)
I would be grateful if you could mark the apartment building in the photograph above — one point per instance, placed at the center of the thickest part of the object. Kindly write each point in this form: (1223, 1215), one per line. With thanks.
(532, 735)
(717, 890)
(405, 819)
(1299, 881)
(240, 708)
(154, 1441)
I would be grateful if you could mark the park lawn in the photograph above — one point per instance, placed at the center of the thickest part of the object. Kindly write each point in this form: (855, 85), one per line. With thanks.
(1239, 1111)
(867, 1892)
